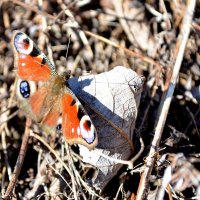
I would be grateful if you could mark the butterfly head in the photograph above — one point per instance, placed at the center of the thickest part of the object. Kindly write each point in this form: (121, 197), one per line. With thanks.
(66, 75)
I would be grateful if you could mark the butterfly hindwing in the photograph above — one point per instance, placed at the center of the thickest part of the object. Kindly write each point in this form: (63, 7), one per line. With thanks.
(77, 126)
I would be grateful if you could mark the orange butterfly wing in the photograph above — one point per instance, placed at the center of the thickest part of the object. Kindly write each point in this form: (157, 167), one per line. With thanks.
(77, 126)
(30, 62)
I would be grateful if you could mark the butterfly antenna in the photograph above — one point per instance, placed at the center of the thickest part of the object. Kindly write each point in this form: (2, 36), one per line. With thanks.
(68, 48)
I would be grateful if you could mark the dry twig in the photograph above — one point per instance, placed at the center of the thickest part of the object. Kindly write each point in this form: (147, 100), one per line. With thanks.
(166, 100)
(20, 160)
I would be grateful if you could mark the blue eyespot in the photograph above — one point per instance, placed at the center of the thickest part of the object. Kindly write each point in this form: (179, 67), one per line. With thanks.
(25, 89)
(59, 127)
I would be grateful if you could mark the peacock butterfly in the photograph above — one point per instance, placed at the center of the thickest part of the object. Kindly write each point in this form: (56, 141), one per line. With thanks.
(45, 97)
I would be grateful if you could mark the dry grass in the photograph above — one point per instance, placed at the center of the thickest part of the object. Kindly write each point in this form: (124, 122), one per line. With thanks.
(157, 39)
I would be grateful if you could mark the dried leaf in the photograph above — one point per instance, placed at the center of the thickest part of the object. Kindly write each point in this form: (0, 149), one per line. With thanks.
(115, 95)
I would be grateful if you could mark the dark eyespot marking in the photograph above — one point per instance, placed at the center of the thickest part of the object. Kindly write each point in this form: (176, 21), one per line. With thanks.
(73, 102)
(59, 127)
(26, 41)
(80, 113)
(87, 125)
(43, 61)
(35, 52)
(24, 89)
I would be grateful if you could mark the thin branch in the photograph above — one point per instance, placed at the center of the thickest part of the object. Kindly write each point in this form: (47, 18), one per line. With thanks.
(33, 9)
(59, 159)
(103, 39)
(20, 160)
(166, 100)
(132, 53)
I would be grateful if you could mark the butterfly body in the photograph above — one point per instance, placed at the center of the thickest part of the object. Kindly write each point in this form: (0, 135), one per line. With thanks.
(44, 96)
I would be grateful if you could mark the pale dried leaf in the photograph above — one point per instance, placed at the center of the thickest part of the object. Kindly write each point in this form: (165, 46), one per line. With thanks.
(115, 95)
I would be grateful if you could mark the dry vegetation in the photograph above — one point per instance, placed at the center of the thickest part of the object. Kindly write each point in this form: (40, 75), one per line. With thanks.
(157, 39)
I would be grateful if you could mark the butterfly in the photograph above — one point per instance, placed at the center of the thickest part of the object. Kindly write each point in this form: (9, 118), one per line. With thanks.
(44, 96)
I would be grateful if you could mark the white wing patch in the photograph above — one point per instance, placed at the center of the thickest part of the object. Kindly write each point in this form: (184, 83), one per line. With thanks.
(87, 134)
(19, 42)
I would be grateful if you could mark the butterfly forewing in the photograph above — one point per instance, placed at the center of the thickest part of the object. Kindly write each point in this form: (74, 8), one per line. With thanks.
(30, 62)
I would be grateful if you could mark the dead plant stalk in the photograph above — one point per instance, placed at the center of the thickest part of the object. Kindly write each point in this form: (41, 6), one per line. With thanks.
(166, 100)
